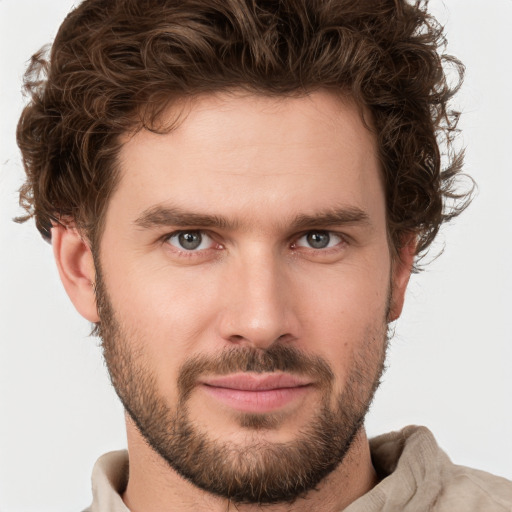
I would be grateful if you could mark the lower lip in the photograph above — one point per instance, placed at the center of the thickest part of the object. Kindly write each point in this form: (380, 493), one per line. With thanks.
(257, 401)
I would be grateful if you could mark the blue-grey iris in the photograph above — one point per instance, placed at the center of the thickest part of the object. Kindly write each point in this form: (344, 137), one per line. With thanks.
(318, 239)
(190, 240)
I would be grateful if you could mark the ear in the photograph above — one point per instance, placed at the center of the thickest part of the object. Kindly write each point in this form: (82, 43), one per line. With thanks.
(401, 272)
(76, 269)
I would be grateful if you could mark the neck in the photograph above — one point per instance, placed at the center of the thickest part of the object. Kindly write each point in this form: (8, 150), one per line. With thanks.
(154, 486)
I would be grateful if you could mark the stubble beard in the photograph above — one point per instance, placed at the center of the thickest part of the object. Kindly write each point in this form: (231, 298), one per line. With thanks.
(259, 471)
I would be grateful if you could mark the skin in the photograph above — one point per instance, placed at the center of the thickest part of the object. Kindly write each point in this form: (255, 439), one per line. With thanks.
(259, 163)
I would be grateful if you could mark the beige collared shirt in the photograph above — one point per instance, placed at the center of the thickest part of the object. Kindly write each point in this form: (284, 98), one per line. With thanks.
(417, 476)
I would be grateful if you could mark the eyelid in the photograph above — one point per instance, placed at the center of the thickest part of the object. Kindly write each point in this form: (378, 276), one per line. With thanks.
(343, 242)
(204, 233)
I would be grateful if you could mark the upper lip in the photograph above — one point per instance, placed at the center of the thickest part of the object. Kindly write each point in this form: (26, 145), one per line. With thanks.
(256, 381)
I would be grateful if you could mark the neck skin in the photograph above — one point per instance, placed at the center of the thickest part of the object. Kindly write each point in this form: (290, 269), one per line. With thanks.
(154, 486)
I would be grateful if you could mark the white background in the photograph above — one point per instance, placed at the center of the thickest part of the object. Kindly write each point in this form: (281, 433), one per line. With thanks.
(451, 358)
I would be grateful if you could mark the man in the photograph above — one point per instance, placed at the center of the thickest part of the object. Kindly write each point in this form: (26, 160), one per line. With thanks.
(236, 195)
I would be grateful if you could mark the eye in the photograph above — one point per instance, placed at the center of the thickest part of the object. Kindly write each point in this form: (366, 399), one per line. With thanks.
(190, 240)
(319, 240)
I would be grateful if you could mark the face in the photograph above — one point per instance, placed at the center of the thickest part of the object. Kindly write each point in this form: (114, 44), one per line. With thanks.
(244, 285)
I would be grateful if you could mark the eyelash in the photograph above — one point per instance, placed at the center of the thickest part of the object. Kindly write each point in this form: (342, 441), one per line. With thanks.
(322, 250)
(217, 246)
(190, 253)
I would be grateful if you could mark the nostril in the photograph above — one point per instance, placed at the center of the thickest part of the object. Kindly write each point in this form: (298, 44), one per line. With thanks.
(236, 338)
(260, 341)
(285, 338)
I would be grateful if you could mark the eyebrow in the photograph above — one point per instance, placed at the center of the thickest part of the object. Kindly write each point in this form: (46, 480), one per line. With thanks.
(160, 215)
(172, 216)
(333, 217)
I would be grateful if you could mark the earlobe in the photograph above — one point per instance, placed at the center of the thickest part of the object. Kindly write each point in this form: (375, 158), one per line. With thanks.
(402, 268)
(76, 269)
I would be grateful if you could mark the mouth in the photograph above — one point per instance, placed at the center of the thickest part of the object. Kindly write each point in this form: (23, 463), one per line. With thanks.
(256, 393)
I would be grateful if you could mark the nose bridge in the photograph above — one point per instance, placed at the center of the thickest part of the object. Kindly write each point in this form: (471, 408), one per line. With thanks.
(259, 310)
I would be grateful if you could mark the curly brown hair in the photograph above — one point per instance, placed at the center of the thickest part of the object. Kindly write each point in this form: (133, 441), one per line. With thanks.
(115, 65)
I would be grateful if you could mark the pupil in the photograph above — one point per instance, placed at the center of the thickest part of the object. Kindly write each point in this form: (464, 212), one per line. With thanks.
(190, 240)
(318, 239)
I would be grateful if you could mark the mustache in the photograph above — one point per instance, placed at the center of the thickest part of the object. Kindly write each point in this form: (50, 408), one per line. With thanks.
(250, 359)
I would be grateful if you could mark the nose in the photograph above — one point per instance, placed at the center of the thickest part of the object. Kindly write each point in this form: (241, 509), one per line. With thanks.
(259, 304)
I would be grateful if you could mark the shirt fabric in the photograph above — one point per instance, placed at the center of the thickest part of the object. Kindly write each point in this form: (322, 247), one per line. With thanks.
(416, 476)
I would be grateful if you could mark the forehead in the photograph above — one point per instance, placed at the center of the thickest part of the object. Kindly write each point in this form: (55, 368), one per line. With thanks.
(243, 154)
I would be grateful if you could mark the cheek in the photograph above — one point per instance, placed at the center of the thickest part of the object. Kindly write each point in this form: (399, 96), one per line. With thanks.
(345, 314)
(169, 308)
(346, 298)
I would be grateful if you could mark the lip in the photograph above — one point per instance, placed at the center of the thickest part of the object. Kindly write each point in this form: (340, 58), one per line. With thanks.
(256, 381)
(256, 393)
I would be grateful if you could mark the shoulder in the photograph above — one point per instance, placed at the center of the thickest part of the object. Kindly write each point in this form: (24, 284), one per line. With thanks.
(469, 489)
(416, 474)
